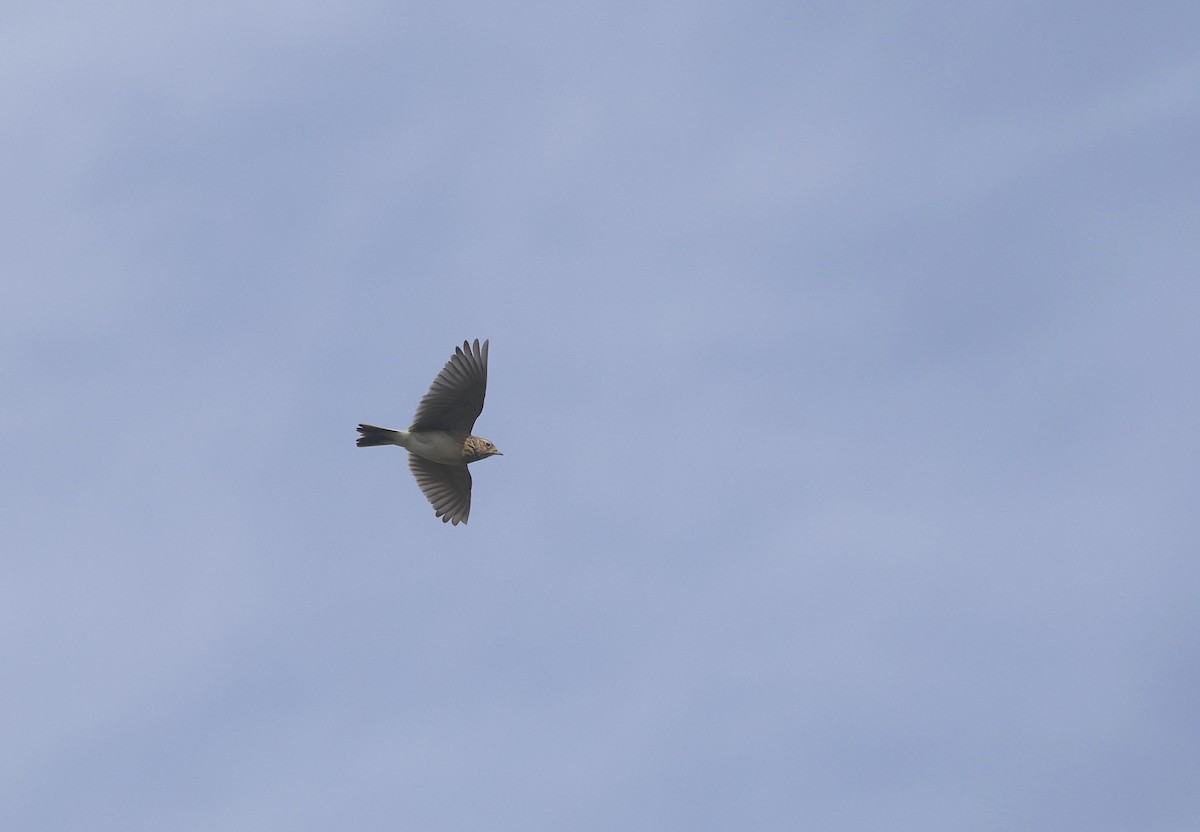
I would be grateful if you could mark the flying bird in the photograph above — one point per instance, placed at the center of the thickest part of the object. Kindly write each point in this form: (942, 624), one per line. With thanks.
(439, 442)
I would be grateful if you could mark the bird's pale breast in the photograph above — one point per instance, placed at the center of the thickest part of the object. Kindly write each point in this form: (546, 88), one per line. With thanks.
(436, 446)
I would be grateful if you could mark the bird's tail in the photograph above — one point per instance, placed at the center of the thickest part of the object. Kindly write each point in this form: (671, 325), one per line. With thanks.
(372, 435)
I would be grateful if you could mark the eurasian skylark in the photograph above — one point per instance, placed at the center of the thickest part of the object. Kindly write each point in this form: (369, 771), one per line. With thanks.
(439, 443)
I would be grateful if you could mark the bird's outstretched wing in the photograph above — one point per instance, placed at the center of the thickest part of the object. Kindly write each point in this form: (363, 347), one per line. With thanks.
(447, 487)
(455, 399)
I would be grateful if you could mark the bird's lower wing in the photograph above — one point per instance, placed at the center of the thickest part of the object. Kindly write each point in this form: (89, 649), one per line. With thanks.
(447, 487)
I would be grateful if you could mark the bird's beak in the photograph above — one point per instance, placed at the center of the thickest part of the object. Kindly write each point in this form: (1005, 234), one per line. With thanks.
(497, 453)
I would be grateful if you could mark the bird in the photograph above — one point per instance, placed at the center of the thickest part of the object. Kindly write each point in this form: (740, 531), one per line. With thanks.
(439, 442)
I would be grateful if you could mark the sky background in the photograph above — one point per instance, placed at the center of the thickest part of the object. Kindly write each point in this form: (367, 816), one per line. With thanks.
(844, 357)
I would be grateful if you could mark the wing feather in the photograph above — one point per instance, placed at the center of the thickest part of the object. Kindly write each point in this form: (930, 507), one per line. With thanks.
(447, 487)
(455, 399)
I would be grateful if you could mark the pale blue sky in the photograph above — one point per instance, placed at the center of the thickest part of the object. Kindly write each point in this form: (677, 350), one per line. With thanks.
(844, 358)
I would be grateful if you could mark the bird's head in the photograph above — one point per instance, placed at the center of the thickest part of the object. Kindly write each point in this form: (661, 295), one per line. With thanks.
(475, 449)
